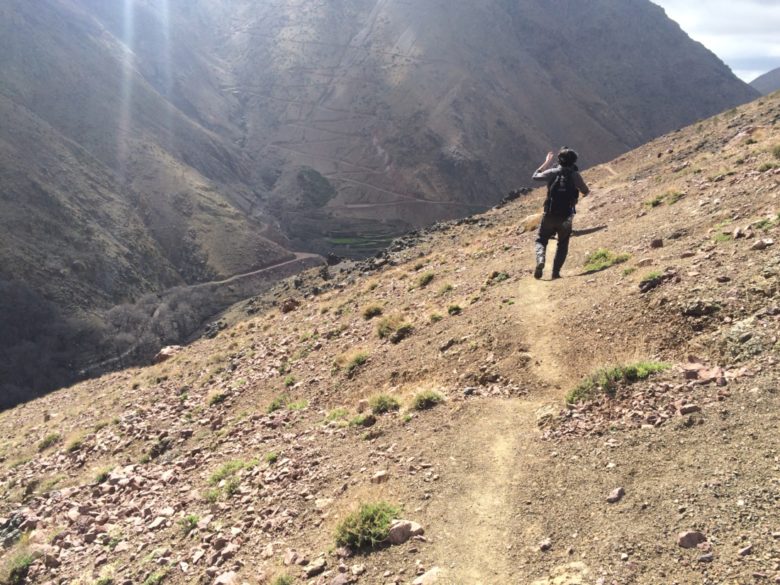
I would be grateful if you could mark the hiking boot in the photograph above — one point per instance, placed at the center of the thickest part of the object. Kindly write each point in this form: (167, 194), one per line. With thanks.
(556, 275)
(539, 270)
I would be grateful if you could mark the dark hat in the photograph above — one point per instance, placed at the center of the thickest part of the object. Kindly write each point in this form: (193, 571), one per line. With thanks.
(567, 157)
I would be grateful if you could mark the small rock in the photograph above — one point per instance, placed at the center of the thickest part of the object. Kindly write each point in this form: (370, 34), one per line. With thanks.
(656, 243)
(616, 495)
(402, 530)
(428, 578)
(315, 568)
(746, 551)
(762, 244)
(644, 262)
(690, 539)
(229, 578)
(545, 545)
(687, 409)
(380, 477)
(706, 558)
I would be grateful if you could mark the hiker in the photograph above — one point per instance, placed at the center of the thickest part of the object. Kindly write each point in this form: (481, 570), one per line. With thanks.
(564, 185)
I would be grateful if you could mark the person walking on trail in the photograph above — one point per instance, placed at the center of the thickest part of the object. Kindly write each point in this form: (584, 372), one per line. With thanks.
(564, 186)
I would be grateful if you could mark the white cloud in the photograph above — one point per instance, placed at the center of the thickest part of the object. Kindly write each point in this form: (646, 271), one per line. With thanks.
(743, 34)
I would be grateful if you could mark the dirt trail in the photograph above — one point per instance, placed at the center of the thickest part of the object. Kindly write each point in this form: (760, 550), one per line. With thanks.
(493, 448)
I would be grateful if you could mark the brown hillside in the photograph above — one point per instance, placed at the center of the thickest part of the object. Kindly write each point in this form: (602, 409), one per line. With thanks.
(128, 479)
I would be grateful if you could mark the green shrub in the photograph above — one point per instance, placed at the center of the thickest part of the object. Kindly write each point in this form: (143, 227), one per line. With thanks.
(298, 404)
(75, 445)
(337, 414)
(629, 271)
(232, 486)
(283, 580)
(426, 399)
(363, 420)
(608, 379)
(351, 362)
(447, 288)
(673, 196)
(425, 279)
(188, 524)
(48, 441)
(383, 403)
(497, 277)
(602, 259)
(655, 201)
(217, 398)
(776, 151)
(102, 475)
(436, 317)
(272, 457)
(229, 469)
(17, 568)
(394, 328)
(720, 238)
(651, 276)
(766, 167)
(277, 403)
(289, 381)
(372, 311)
(212, 495)
(367, 528)
(454, 310)
(155, 578)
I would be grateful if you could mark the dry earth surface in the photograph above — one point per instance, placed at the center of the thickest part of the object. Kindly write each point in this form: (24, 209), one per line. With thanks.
(124, 479)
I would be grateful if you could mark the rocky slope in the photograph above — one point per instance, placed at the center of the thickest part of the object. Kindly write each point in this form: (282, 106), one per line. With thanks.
(768, 82)
(235, 460)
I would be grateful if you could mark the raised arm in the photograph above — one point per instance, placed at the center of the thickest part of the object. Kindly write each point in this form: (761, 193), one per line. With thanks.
(540, 174)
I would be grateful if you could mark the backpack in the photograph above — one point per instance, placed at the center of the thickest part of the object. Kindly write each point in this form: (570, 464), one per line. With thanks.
(562, 194)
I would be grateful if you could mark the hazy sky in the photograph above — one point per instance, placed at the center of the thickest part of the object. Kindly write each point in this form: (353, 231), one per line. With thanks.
(745, 34)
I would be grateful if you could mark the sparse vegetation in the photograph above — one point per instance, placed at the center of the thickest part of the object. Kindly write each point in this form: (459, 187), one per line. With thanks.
(425, 279)
(426, 399)
(155, 578)
(289, 381)
(229, 469)
(720, 238)
(367, 528)
(651, 276)
(776, 151)
(277, 403)
(629, 271)
(497, 277)
(607, 380)
(655, 201)
(394, 328)
(351, 362)
(382, 403)
(453, 310)
(283, 580)
(371, 311)
(337, 414)
(602, 259)
(188, 524)
(436, 317)
(48, 441)
(74, 444)
(363, 420)
(298, 404)
(102, 476)
(766, 167)
(217, 398)
(272, 457)
(447, 288)
(16, 568)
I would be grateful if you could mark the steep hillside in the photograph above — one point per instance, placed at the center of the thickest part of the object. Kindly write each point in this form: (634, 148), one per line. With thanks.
(768, 82)
(236, 460)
